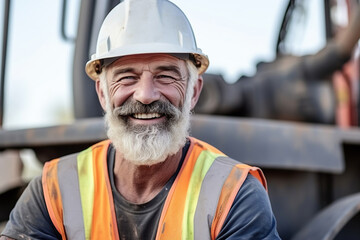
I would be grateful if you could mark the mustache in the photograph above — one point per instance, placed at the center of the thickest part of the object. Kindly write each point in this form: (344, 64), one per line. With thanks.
(162, 107)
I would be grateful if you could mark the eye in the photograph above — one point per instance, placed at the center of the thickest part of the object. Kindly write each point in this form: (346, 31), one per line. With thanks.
(165, 78)
(126, 80)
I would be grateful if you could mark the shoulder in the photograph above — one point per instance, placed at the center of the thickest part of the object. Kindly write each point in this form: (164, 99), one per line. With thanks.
(250, 216)
(92, 150)
(204, 145)
(253, 190)
(29, 216)
(69, 162)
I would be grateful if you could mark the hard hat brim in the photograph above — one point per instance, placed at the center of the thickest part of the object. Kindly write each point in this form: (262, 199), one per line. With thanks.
(93, 66)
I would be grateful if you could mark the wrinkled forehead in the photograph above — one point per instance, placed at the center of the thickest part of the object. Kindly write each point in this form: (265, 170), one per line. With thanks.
(143, 62)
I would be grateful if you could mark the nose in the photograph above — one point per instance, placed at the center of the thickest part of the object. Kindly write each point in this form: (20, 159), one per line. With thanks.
(146, 92)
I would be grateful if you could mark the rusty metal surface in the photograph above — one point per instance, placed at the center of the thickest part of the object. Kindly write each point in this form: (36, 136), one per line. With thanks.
(10, 170)
(81, 131)
(274, 144)
(308, 163)
(270, 144)
(295, 198)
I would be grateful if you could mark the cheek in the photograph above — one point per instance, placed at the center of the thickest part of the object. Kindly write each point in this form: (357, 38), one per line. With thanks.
(175, 93)
(119, 94)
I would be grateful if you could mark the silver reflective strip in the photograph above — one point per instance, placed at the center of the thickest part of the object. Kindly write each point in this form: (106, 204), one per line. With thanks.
(70, 195)
(209, 195)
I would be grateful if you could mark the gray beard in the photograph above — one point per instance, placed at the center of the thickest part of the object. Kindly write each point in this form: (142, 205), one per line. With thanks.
(148, 144)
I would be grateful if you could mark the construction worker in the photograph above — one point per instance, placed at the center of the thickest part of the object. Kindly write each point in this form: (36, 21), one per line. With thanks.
(150, 180)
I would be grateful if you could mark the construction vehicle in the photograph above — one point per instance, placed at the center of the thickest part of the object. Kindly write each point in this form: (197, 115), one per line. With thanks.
(296, 117)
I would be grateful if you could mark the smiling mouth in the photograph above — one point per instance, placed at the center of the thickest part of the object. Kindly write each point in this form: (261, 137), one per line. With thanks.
(146, 116)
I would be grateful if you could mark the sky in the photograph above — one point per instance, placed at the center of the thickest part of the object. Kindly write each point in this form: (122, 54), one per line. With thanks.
(235, 34)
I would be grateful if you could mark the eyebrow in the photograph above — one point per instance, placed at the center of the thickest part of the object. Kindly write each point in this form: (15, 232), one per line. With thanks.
(171, 68)
(123, 70)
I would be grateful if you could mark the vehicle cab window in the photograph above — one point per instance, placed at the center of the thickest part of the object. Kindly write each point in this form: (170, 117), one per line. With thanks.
(306, 33)
(38, 71)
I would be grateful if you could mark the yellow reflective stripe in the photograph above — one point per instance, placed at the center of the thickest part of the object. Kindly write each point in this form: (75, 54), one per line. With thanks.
(202, 165)
(86, 183)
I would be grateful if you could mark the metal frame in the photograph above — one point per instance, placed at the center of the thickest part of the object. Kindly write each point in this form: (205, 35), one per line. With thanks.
(3, 58)
(64, 35)
(287, 15)
(328, 223)
(284, 25)
(84, 95)
(92, 13)
(266, 143)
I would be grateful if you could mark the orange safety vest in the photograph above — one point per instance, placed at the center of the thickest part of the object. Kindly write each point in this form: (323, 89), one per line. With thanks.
(79, 198)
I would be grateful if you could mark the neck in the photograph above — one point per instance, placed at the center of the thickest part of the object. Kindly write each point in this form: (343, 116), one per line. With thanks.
(140, 183)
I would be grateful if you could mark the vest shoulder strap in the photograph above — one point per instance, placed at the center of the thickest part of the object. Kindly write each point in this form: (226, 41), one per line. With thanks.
(229, 191)
(77, 195)
(193, 206)
(52, 195)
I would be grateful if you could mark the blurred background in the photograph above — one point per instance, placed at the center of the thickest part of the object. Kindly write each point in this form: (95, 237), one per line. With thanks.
(282, 93)
(236, 35)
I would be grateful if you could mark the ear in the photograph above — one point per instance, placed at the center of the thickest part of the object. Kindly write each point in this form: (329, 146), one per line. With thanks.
(197, 90)
(100, 93)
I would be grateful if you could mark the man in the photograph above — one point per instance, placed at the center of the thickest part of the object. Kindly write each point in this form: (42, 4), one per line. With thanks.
(150, 180)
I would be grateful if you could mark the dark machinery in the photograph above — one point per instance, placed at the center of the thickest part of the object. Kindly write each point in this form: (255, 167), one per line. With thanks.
(312, 166)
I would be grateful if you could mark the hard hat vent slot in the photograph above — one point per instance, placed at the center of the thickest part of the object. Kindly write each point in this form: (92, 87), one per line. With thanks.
(104, 46)
(181, 39)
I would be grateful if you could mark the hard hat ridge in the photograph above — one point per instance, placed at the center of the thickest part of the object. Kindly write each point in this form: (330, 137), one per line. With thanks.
(144, 26)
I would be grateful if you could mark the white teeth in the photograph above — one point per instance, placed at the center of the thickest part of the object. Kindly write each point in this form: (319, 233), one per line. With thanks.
(146, 115)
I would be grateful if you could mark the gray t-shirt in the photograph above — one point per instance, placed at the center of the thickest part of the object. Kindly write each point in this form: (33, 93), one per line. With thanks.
(250, 217)
(137, 221)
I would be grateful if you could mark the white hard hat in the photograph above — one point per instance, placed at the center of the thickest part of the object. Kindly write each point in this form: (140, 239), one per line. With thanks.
(145, 26)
